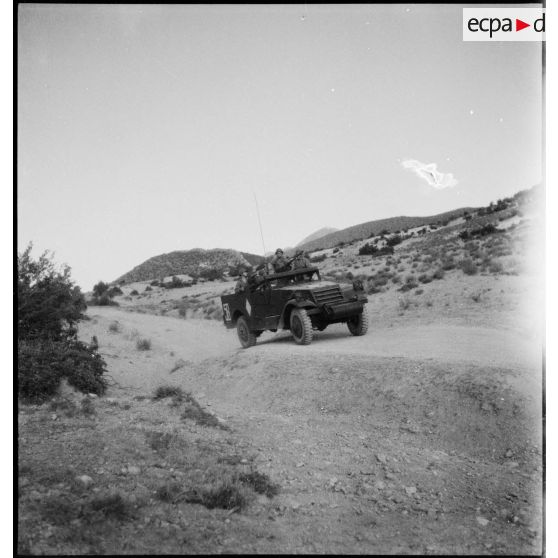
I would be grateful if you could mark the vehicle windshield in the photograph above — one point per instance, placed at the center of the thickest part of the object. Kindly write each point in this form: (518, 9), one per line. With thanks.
(301, 275)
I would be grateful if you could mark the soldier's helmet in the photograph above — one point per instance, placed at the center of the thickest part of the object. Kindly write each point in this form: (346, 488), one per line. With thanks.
(278, 251)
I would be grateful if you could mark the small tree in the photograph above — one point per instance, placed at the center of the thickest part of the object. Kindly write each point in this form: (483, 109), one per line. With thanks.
(49, 307)
(100, 288)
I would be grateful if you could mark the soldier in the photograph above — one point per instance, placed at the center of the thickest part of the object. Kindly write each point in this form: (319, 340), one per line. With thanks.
(242, 283)
(301, 260)
(279, 262)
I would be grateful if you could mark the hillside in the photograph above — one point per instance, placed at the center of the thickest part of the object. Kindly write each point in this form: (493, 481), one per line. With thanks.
(372, 228)
(189, 262)
(318, 234)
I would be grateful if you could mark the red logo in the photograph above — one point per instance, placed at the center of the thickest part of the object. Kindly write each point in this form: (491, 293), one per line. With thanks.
(519, 25)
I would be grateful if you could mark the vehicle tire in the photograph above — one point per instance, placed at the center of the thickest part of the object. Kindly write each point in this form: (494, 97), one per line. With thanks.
(301, 326)
(245, 336)
(358, 325)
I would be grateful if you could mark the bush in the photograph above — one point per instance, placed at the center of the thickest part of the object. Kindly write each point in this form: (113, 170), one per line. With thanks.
(100, 288)
(134, 292)
(318, 259)
(162, 392)
(114, 291)
(468, 266)
(394, 240)
(49, 306)
(211, 274)
(175, 283)
(103, 300)
(143, 345)
(438, 274)
(43, 363)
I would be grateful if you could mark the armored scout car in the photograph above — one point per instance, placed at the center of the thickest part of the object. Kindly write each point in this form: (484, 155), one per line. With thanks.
(299, 301)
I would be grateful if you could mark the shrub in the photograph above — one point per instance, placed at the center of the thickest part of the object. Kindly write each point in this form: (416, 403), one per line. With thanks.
(318, 259)
(394, 240)
(211, 274)
(113, 506)
(194, 411)
(148, 288)
(43, 363)
(100, 288)
(162, 392)
(114, 327)
(260, 483)
(438, 274)
(468, 266)
(134, 293)
(227, 495)
(114, 291)
(425, 278)
(154, 283)
(143, 345)
(495, 267)
(49, 306)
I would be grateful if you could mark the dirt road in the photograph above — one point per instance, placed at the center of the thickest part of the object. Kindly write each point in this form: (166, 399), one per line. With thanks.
(408, 440)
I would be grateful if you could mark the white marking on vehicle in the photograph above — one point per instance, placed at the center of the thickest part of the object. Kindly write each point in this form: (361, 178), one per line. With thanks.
(227, 312)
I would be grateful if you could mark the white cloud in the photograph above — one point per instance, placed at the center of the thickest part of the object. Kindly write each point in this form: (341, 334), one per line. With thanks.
(430, 173)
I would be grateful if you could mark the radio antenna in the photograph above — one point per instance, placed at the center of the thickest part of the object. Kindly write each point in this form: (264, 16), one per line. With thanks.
(260, 222)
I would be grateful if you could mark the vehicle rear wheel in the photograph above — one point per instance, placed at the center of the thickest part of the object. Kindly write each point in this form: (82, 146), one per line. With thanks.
(358, 325)
(245, 336)
(301, 326)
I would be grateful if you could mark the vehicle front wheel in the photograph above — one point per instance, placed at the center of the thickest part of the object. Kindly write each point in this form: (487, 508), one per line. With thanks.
(358, 325)
(301, 326)
(245, 336)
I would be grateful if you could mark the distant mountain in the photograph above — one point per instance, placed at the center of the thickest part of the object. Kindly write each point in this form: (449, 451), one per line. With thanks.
(188, 262)
(318, 234)
(365, 230)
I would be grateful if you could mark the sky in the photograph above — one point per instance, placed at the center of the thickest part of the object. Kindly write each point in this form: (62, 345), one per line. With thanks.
(151, 128)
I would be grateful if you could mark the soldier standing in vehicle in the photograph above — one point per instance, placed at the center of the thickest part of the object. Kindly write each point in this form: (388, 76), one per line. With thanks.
(301, 261)
(279, 262)
(242, 283)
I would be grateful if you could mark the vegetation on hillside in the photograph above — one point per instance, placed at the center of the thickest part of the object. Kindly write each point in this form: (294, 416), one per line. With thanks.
(196, 263)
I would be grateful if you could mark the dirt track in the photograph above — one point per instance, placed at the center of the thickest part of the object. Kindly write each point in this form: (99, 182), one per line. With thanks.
(408, 440)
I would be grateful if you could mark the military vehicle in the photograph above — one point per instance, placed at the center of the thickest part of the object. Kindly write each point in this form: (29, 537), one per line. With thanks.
(297, 300)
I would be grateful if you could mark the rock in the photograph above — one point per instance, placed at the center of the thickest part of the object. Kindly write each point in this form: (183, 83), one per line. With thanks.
(299, 465)
(92, 395)
(390, 476)
(23, 481)
(509, 453)
(410, 490)
(133, 470)
(482, 521)
(380, 485)
(85, 480)
(381, 458)
(54, 416)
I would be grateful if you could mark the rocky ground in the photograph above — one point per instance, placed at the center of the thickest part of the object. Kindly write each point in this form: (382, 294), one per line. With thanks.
(423, 437)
